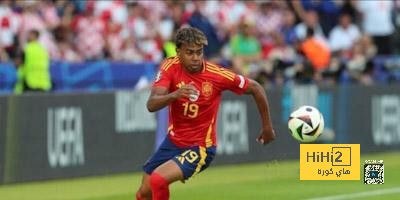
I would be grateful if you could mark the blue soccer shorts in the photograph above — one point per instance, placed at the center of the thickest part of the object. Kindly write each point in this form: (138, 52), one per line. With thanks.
(191, 160)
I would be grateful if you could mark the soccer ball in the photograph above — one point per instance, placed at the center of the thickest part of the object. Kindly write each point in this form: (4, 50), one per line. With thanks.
(306, 124)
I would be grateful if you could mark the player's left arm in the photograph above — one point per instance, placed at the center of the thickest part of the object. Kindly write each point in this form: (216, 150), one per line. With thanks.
(260, 97)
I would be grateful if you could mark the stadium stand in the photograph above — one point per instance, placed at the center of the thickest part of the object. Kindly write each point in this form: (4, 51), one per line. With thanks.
(362, 44)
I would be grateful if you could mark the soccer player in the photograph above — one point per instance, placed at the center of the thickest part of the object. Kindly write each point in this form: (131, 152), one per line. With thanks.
(192, 88)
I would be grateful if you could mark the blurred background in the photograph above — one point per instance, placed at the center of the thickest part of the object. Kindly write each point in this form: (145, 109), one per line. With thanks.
(274, 42)
(75, 76)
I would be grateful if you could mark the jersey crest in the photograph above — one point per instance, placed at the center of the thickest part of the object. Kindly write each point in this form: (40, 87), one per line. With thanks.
(207, 89)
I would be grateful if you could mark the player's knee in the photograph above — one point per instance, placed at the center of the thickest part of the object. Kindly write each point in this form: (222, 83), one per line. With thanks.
(158, 182)
(142, 194)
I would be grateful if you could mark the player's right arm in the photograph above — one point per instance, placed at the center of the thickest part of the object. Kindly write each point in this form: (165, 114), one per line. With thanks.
(159, 96)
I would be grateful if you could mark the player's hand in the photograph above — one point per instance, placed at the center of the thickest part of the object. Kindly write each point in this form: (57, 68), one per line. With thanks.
(185, 91)
(266, 136)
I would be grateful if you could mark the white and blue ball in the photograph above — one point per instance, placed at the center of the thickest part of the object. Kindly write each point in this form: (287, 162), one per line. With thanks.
(306, 124)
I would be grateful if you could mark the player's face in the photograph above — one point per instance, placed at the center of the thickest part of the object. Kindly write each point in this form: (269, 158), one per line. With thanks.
(191, 56)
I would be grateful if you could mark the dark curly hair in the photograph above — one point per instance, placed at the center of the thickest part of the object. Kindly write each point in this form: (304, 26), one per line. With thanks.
(190, 35)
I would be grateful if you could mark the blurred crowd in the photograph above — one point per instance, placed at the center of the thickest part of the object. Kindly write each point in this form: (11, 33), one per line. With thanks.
(271, 41)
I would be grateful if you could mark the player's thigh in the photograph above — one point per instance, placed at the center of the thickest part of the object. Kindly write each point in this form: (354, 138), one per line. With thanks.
(170, 171)
(164, 153)
(194, 160)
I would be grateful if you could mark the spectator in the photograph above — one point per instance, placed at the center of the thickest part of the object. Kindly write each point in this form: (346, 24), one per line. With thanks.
(145, 35)
(154, 10)
(288, 27)
(176, 11)
(168, 25)
(315, 51)
(49, 14)
(358, 67)
(280, 59)
(327, 10)
(377, 22)
(281, 51)
(311, 21)
(269, 19)
(344, 34)
(114, 41)
(115, 10)
(130, 51)
(64, 51)
(9, 26)
(32, 20)
(90, 32)
(230, 13)
(246, 49)
(200, 21)
(34, 73)
(67, 14)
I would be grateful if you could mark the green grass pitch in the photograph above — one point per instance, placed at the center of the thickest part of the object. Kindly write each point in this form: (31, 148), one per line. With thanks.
(268, 180)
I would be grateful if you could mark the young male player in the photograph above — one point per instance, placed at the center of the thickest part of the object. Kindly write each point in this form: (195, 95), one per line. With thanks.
(192, 89)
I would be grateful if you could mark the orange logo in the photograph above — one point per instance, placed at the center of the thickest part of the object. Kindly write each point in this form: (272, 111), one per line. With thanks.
(207, 89)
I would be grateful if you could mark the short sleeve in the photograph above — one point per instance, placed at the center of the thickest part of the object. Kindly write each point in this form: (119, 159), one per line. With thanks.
(164, 77)
(238, 85)
(228, 79)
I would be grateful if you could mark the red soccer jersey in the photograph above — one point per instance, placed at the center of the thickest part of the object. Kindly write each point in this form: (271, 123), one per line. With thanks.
(193, 123)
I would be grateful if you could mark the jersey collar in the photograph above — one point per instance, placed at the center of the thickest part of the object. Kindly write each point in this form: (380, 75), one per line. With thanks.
(204, 66)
